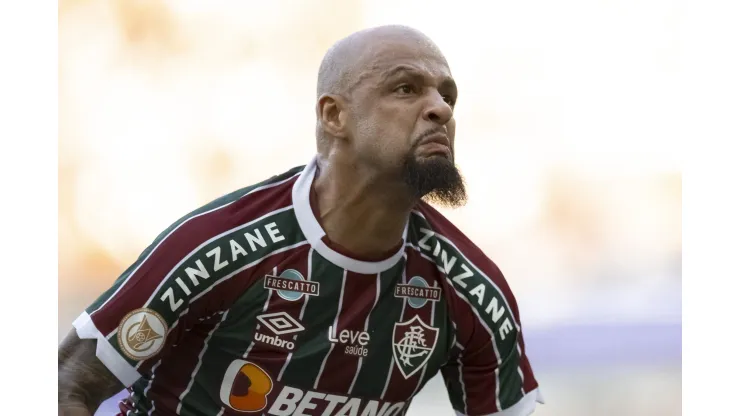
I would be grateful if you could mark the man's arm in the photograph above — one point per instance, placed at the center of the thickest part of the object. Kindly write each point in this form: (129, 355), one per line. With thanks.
(84, 381)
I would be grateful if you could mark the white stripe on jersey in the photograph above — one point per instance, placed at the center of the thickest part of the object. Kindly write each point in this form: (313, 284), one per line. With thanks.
(264, 309)
(424, 370)
(300, 317)
(367, 321)
(462, 383)
(519, 367)
(149, 386)
(336, 319)
(133, 272)
(251, 344)
(400, 319)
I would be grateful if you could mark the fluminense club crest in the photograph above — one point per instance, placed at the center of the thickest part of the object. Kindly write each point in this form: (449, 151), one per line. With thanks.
(413, 343)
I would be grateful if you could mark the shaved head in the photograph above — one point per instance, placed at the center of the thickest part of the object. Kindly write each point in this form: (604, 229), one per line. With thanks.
(342, 66)
(385, 100)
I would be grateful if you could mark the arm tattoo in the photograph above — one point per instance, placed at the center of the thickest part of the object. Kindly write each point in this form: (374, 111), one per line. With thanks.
(84, 381)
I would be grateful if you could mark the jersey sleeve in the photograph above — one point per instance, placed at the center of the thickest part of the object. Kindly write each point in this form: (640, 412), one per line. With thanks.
(486, 377)
(489, 373)
(147, 308)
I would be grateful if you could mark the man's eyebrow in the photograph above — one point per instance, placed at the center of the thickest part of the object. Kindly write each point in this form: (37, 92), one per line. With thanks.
(390, 73)
(447, 82)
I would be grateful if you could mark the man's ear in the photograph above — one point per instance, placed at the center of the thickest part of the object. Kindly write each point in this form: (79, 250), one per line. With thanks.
(332, 115)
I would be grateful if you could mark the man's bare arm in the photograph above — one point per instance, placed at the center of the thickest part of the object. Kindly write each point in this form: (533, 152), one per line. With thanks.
(84, 381)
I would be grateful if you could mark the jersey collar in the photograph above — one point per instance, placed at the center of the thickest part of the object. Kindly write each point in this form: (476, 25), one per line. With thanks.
(314, 233)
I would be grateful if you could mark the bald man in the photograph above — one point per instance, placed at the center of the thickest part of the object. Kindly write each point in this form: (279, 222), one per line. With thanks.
(331, 289)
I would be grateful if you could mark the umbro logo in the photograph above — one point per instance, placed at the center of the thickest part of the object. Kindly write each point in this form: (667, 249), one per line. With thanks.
(280, 323)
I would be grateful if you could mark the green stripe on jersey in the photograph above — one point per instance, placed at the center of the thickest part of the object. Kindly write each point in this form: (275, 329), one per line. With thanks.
(441, 352)
(313, 342)
(221, 201)
(510, 382)
(374, 372)
(453, 384)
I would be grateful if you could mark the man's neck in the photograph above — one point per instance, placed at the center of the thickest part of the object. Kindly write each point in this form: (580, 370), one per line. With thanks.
(358, 211)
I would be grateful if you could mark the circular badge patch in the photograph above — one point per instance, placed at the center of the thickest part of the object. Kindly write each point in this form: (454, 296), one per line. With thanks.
(141, 333)
(290, 294)
(417, 303)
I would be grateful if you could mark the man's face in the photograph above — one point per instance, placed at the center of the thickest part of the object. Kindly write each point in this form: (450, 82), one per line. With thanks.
(401, 118)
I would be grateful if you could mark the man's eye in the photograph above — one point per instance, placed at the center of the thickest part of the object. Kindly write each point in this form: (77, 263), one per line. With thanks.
(449, 100)
(405, 89)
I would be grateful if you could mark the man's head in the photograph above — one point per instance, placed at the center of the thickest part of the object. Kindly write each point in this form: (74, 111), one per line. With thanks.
(385, 103)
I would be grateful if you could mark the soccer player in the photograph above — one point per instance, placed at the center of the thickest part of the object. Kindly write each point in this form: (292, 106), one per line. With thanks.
(331, 289)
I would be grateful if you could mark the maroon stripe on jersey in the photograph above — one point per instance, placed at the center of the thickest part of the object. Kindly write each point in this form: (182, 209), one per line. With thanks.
(172, 376)
(399, 387)
(340, 368)
(480, 392)
(142, 284)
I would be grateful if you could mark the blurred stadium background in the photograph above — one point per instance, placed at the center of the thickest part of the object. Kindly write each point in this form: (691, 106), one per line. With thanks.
(564, 134)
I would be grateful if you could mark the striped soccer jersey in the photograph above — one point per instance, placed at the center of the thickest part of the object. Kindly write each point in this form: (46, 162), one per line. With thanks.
(244, 307)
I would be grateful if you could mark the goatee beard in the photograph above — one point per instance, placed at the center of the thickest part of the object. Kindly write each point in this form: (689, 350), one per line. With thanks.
(436, 180)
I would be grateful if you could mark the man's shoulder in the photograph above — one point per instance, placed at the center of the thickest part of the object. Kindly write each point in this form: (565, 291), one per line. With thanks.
(470, 272)
(238, 207)
(427, 223)
(277, 184)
